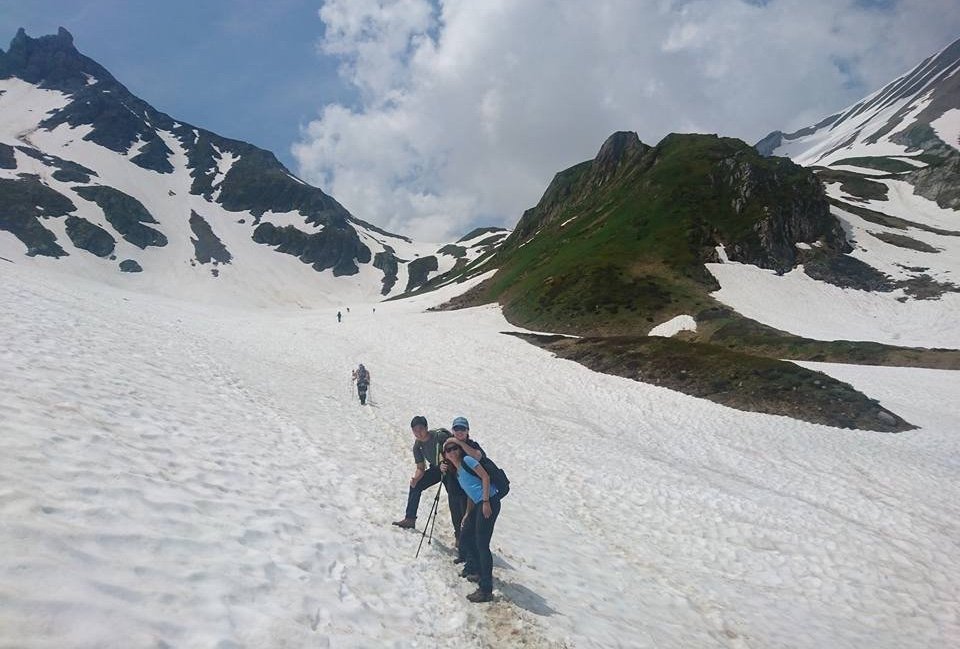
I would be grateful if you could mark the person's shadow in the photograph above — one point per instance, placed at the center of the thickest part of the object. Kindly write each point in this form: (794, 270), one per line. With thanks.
(515, 593)
(525, 598)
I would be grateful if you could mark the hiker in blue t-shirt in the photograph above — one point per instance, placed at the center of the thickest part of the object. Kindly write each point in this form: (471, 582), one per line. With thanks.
(483, 507)
(456, 498)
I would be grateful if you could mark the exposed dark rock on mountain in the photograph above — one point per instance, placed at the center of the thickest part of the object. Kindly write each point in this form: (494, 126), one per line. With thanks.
(388, 263)
(330, 248)
(939, 182)
(794, 206)
(126, 214)
(453, 250)
(7, 159)
(89, 236)
(207, 246)
(22, 202)
(66, 171)
(130, 266)
(418, 269)
(476, 232)
(729, 377)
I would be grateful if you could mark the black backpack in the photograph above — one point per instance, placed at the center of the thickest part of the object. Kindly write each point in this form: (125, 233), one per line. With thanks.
(497, 475)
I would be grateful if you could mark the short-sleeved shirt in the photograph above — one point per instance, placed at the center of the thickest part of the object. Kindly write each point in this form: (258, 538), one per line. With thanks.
(473, 485)
(429, 451)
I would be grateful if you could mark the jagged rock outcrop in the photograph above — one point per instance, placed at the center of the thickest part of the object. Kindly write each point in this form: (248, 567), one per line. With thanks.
(90, 237)
(126, 214)
(24, 201)
(793, 208)
(207, 246)
(389, 264)
(418, 270)
(334, 248)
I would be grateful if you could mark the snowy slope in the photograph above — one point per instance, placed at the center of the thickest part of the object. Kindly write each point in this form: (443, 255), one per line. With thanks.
(65, 133)
(929, 94)
(889, 164)
(184, 476)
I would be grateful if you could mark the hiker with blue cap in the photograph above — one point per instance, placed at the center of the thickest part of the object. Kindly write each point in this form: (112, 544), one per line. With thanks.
(456, 497)
(426, 451)
(483, 508)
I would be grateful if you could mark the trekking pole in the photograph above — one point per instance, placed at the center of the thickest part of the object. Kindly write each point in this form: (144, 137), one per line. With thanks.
(433, 513)
(436, 506)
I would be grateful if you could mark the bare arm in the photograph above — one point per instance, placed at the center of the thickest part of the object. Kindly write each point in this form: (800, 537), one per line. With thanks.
(467, 512)
(421, 469)
(475, 453)
(485, 479)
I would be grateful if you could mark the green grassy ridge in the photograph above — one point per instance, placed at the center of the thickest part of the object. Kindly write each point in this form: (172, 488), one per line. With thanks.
(735, 379)
(616, 249)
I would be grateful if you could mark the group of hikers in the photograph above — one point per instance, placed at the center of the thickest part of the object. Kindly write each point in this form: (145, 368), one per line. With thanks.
(340, 313)
(474, 486)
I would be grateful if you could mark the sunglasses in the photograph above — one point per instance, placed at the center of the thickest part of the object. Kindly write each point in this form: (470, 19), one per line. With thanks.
(460, 429)
(450, 449)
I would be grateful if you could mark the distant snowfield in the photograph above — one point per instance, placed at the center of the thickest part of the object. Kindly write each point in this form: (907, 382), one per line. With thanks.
(801, 305)
(176, 475)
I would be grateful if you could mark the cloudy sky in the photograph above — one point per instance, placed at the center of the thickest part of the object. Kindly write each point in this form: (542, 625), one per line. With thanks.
(431, 116)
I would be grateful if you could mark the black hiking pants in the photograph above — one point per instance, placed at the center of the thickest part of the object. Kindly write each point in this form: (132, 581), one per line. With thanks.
(456, 498)
(475, 537)
(457, 502)
(362, 392)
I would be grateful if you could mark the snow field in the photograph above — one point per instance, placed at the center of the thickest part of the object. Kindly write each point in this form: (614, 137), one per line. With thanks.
(801, 305)
(178, 475)
(674, 325)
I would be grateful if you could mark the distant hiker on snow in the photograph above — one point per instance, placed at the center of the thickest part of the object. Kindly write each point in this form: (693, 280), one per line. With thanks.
(426, 450)
(483, 508)
(338, 316)
(362, 378)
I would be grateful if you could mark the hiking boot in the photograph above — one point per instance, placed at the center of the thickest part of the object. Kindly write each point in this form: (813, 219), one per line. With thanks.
(478, 596)
(406, 523)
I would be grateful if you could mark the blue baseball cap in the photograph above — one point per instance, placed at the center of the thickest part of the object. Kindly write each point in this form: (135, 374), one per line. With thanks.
(460, 421)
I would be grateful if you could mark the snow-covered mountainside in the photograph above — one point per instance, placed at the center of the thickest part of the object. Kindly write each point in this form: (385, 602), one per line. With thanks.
(893, 121)
(891, 166)
(95, 181)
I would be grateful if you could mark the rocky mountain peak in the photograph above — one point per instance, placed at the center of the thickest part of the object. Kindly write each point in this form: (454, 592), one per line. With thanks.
(49, 61)
(619, 147)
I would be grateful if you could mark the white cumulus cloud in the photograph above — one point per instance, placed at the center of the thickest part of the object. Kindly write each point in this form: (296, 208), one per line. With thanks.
(465, 108)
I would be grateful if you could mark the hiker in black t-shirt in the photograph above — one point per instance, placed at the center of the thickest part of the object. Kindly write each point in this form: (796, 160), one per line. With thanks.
(426, 451)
